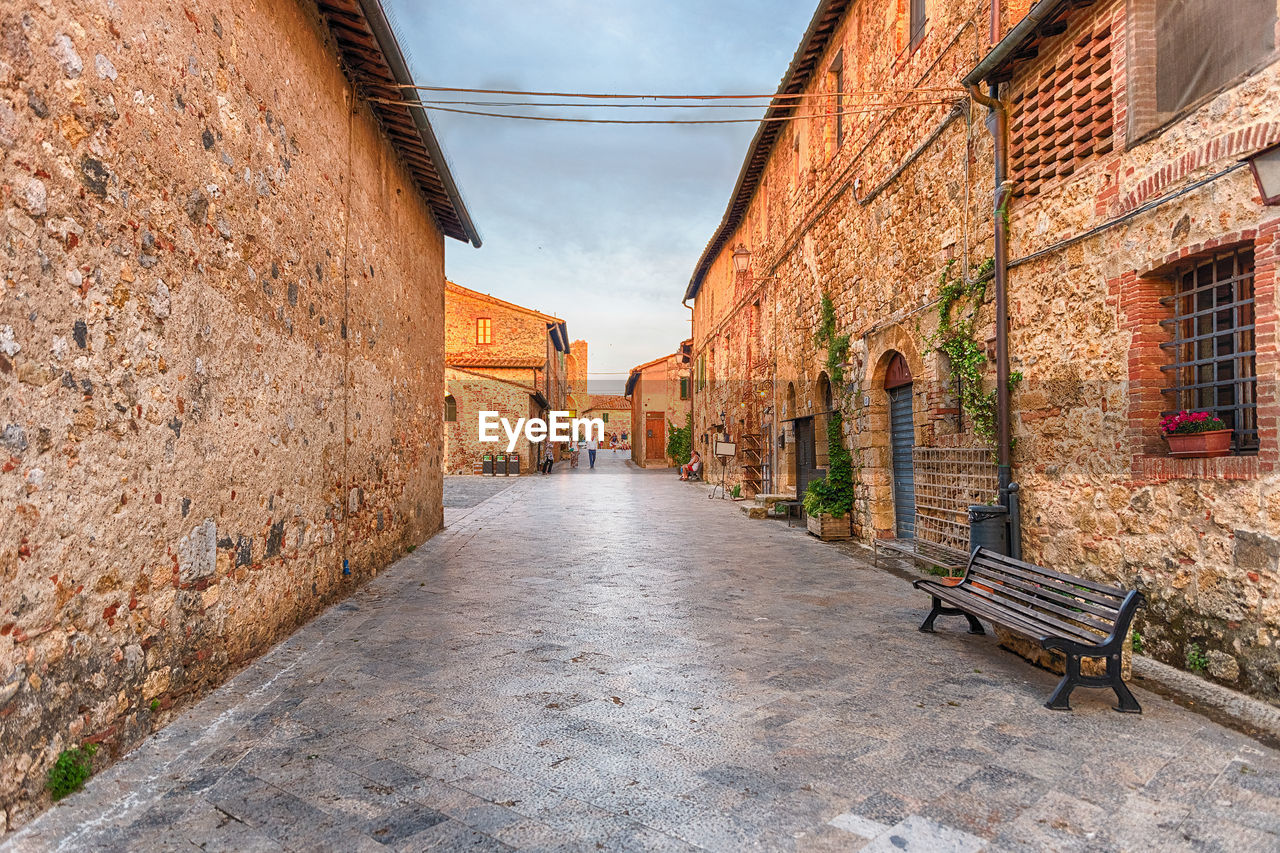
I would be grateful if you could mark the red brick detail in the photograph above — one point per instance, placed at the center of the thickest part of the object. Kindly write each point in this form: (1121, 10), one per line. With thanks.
(1136, 297)
(1236, 144)
(1066, 103)
(1161, 469)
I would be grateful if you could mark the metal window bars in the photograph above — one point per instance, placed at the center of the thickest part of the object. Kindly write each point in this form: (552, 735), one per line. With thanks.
(1214, 360)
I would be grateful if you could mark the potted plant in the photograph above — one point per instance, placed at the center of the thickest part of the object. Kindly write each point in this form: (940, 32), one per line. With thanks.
(826, 515)
(1196, 435)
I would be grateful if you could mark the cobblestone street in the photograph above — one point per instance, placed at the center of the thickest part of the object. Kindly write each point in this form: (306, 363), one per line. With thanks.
(659, 674)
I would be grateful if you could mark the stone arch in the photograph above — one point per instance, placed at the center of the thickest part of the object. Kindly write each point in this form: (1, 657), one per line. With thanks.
(894, 342)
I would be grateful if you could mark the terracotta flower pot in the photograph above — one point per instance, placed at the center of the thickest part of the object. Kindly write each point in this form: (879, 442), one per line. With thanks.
(1198, 445)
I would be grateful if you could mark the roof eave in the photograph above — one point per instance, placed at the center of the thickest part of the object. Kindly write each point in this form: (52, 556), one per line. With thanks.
(376, 17)
(776, 109)
(1025, 30)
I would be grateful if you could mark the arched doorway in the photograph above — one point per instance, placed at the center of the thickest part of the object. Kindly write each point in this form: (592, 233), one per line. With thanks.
(902, 435)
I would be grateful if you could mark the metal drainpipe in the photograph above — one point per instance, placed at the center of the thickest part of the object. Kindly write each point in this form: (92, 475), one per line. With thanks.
(692, 371)
(999, 127)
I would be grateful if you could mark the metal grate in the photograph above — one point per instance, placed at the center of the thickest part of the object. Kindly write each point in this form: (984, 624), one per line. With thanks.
(947, 481)
(1214, 367)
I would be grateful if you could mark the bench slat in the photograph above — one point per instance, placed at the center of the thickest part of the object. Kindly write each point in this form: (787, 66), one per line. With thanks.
(1092, 586)
(1051, 582)
(1026, 593)
(1050, 623)
(997, 613)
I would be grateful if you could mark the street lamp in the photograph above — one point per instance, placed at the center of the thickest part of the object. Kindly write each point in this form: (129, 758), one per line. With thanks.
(741, 258)
(1266, 171)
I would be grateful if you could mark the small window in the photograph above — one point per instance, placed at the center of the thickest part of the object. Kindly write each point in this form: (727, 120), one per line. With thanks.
(684, 387)
(604, 416)
(1214, 367)
(450, 409)
(702, 371)
(835, 85)
(917, 22)
(484, 330)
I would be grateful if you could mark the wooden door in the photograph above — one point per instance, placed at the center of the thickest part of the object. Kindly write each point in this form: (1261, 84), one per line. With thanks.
(655, 435)
(806, 454)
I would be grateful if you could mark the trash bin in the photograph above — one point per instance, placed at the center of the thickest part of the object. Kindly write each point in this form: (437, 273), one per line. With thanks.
(989, 528)
(500, 465)
(513, 464)
(487, 464)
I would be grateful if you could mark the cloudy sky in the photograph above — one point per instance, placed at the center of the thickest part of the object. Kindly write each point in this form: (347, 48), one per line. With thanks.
(598, 224)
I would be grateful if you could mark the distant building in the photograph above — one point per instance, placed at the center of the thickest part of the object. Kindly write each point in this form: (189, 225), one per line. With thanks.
(615, 411)
(660, 392)
(499, 357)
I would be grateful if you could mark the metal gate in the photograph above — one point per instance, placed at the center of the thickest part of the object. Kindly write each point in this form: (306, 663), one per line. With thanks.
(901, 441)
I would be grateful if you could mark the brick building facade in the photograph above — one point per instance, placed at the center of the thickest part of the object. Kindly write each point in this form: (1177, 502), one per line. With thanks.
(503, 358)
(221, 349)
(660, 394)
(1130, 220)
(615, 411)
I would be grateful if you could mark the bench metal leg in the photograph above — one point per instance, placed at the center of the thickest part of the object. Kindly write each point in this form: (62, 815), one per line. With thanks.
(975, 627)
(1128, 705)
(1061, 698)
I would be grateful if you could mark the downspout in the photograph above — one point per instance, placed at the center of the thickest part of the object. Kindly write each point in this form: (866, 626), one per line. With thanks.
(998, 124)
(693, 370)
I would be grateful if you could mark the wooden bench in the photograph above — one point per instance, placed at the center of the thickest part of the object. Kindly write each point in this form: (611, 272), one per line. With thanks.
(923, 553)
(1077, 617)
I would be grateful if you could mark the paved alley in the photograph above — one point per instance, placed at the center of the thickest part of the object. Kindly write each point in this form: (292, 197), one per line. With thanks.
(605, 659)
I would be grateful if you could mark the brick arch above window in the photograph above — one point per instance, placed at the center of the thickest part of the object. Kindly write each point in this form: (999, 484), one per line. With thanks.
(1146, 300)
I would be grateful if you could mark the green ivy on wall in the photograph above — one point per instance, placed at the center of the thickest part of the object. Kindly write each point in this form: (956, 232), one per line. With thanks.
(955, 338)
(680, 441)
(833, 494)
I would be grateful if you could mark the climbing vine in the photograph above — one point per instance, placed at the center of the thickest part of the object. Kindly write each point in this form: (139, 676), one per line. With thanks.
(680, 442)
(834, 493)
(955, 338)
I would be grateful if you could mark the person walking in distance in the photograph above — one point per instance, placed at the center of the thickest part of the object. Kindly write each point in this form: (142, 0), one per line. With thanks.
(592, 446)
(548, 458)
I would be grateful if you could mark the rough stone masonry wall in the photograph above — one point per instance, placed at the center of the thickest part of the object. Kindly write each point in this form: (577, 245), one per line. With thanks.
(1201, 538)
(876, 248)
(181, 359)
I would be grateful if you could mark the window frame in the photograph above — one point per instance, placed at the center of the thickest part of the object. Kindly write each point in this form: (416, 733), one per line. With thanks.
(918, 18)
(450, 407)
(484, 329)
(1188, 287)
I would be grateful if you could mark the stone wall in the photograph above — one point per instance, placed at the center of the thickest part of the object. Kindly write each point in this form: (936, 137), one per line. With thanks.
(474, 392)
(875, 221)
(657, 391)
(222, 369)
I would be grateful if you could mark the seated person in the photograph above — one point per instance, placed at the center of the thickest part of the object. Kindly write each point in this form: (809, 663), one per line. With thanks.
(693, 469)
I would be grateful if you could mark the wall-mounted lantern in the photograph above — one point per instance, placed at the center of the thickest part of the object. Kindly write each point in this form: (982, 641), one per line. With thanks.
(1266, 171)
(741, 258)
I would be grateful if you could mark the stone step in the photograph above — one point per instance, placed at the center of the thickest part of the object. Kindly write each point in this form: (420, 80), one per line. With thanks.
(753, 510)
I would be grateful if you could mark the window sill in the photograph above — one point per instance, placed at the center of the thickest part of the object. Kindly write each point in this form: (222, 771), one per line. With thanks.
(1161, 469)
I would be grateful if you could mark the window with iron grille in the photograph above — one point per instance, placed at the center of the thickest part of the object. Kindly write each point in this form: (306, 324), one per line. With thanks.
(1214, 365)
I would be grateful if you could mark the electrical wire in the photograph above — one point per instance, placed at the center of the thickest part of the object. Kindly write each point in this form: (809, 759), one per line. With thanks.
(616, 97)
(423, 103)
(767, 118)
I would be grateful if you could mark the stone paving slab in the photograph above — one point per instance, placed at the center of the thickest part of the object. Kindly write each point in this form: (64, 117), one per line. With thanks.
(660, 674)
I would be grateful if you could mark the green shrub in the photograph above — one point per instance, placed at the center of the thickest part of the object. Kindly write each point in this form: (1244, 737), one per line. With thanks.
(69, 772)
(680, 442)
